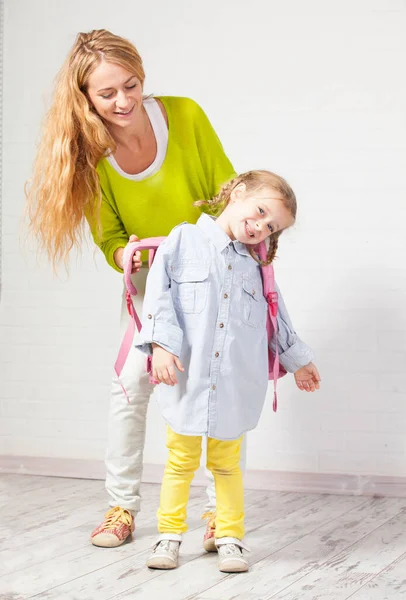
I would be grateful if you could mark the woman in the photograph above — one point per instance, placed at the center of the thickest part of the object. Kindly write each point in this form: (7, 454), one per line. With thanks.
(122, 161)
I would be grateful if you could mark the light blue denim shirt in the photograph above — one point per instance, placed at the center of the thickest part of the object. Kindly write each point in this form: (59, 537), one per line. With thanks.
(204, 303)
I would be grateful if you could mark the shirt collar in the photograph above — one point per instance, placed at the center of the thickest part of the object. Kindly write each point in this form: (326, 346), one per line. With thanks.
(218, 236)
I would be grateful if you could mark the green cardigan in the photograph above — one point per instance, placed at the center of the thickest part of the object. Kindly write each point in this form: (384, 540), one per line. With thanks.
(194, 168)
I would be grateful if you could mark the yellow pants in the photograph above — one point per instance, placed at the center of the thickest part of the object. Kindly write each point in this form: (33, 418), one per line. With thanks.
(223, 460)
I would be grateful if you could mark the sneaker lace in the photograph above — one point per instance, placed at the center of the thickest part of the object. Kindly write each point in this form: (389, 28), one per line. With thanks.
(116, 516)
(210, 517)
(166, 545)
(230, 549)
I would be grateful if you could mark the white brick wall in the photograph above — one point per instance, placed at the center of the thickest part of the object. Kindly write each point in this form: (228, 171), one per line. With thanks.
(313, 90)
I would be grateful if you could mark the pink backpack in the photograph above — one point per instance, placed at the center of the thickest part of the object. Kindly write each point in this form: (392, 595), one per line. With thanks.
(275, 368)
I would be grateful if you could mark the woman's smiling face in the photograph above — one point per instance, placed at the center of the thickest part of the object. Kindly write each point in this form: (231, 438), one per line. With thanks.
(116, 94)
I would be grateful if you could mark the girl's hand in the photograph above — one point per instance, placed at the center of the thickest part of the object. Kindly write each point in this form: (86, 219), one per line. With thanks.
(137, 262)
(163, 365)
(308, 378)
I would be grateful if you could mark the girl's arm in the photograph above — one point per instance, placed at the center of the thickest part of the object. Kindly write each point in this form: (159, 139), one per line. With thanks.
(293, 352)
(159, 321)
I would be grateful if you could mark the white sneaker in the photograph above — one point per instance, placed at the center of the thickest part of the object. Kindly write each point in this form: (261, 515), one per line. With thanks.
(231, 559)
(165, 555)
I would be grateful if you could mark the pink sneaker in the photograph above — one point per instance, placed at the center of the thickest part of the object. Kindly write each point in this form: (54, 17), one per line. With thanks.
(118, 525)
(210, 533)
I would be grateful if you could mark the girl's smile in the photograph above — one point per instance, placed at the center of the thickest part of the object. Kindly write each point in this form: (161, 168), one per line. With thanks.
(251, 218)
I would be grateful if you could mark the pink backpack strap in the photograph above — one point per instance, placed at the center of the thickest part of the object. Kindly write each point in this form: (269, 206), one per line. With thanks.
(271, 296)
(150, 244)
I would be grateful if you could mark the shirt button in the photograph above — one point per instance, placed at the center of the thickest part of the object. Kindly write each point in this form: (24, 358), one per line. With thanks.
(149, 316)
(253, 292)
(217, 355)
(221, 325)
(229, 267)
(226, 296)
(213, 387)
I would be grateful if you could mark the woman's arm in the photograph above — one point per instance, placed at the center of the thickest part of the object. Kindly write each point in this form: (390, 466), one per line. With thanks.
(110, 236)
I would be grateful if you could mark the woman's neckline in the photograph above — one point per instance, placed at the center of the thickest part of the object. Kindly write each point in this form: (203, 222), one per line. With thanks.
(160, 130)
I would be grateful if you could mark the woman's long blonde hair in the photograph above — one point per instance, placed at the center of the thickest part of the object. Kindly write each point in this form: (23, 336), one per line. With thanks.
(65, 185)
(254, 180)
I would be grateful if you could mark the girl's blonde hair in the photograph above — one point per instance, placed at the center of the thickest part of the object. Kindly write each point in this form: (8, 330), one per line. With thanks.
(65, 185)
(255, 180)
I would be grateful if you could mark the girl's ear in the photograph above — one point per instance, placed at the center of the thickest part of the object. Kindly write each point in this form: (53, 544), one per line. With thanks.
(238, 192)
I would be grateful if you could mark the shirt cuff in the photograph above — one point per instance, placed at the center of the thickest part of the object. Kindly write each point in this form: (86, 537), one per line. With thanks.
(297, 356)
(168, 336)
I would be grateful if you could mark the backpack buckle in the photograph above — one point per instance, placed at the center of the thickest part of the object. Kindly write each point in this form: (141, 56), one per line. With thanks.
(129, 302)
(272, 299)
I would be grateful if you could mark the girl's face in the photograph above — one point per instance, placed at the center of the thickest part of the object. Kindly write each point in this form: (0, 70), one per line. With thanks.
(116, 94)
(251, 217)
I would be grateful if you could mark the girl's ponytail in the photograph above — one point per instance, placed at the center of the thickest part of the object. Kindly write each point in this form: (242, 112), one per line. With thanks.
(223, 197)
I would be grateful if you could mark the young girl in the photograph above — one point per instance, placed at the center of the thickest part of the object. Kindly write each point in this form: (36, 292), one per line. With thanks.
(205, 315)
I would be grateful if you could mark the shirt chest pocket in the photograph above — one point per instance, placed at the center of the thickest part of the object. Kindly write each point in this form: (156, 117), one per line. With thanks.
(253, 307)
(190, 287)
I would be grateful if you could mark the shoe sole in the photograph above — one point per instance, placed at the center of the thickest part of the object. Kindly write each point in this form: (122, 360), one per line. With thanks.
(108, 540)
(233, 567)
(161, 563)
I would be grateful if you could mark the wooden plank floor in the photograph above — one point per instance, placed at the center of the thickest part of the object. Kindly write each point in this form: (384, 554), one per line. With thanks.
(303, 547)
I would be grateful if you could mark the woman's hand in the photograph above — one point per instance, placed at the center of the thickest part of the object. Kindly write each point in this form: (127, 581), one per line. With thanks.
(137, 262)
(163, 365)
(308, 378)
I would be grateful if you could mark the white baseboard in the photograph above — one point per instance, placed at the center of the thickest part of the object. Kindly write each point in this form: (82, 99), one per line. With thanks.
(316, 483)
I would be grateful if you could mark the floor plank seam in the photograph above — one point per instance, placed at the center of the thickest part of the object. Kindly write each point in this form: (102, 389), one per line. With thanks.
(321, 565)
(386, 569)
